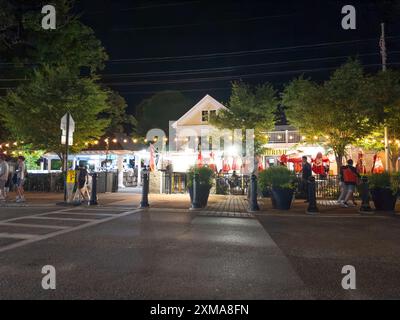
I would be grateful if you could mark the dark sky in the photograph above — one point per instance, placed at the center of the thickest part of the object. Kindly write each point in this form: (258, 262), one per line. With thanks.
(199, 47)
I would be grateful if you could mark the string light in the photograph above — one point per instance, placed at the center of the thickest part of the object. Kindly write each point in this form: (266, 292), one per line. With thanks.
(134, 140)
(125, 141)
(115, 140)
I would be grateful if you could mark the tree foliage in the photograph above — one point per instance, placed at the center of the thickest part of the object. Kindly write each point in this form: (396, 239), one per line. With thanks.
(249, 108)
(338, 111)
(120, 120)
(33, 111)
(159, 109)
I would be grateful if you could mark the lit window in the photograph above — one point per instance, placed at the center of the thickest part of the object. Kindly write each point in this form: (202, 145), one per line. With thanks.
(204, 116)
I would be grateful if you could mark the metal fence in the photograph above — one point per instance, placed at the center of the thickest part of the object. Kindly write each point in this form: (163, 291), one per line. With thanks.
(54, 182)
(174, 182)
(326, 187)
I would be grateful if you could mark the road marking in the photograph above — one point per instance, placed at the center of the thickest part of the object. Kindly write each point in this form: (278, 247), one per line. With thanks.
(63, 219)
(14, 224)
(60, 232)
(17, 235)
(88, 214)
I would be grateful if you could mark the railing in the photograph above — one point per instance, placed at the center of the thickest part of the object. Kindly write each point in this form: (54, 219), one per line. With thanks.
(54, 182)
(326, 187)
(227, 184)
(174, 182)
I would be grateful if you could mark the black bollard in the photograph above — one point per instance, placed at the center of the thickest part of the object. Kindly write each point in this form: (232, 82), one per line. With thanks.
(253, 205)
(93, 196)
(364, 192)
(195, 200)
(145, 190)
(312, 198)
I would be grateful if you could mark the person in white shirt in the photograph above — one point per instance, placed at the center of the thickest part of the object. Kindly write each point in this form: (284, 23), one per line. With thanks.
(21, 175)
(4, 171)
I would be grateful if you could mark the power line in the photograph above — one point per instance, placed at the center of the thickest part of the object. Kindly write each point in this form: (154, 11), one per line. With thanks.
(231, 68)
(202, 23)
(240, 53)
(225, 78)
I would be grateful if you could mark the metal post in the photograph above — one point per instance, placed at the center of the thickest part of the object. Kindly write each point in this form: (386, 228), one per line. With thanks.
(66, 159)
(195, 202)
(364, 192)
(93, 196)
(145, 190)
(253, 205)
(312, 198)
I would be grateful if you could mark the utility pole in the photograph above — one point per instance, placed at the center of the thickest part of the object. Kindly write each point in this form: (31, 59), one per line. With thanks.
(382, 45)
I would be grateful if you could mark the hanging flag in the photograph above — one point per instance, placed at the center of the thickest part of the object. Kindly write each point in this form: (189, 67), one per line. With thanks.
(152, 158)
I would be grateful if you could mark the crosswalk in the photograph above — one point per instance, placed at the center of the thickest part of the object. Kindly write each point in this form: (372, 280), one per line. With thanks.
(28, 228)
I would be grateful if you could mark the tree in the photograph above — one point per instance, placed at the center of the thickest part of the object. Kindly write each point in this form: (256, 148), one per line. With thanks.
(384, 94)
(337, 112)
(24, 42)
(249, 108)
(120, 121)
(33, 111)
(159, 109)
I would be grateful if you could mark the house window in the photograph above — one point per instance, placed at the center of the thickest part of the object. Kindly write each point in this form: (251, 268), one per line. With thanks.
(213, 113)
(204, 116)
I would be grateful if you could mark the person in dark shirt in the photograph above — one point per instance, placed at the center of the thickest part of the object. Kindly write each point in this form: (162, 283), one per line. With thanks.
(305, 174)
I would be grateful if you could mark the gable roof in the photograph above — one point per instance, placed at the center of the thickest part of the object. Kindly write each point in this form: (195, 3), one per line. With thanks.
(198, 105)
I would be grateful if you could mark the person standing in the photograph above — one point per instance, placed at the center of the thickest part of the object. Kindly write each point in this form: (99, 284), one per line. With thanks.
(21, 175)
(306, 172)
(4, 172)
(350, 178)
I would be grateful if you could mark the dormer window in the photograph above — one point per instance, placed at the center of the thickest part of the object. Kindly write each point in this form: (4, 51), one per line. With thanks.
(213, 113)
(207, 115)
(204, 116)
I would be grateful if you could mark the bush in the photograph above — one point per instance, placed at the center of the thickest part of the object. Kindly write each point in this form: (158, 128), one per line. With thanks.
(385, 180)
(276, 177)
(206, 176)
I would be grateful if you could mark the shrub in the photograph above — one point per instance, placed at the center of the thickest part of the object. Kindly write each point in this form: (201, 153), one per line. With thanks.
(276, 177)
(385, 180)
(206, 176)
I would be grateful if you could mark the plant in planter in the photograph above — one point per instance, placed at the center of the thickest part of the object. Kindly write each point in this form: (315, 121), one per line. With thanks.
(280, 181)
(384, 188)
(206, 176)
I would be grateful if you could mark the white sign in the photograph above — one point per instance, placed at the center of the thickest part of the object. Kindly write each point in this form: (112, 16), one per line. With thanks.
(63, 127)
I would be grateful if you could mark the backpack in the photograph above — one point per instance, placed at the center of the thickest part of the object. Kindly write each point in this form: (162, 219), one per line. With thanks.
(349, 176)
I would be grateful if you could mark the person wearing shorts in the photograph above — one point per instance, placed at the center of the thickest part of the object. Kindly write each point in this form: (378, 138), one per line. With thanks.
(21, 174)
(4, 171)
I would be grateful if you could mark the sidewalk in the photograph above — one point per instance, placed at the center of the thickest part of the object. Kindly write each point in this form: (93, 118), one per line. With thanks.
(221, 204)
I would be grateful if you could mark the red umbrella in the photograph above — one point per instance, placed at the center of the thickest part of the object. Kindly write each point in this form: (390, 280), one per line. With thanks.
(225, 166)
(211, 163)
(199, 159)
(234, 164)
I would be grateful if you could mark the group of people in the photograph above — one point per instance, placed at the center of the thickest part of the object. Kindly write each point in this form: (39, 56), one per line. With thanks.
(17, 178)
(349, 178)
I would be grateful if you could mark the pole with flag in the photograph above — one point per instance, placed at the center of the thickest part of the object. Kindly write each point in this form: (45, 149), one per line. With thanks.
(382, 45)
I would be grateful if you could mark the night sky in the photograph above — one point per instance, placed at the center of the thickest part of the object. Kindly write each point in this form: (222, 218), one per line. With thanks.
(199, 47)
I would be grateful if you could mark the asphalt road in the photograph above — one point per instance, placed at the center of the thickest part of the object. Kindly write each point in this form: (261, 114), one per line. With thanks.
(318, 248)
(122, 253)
